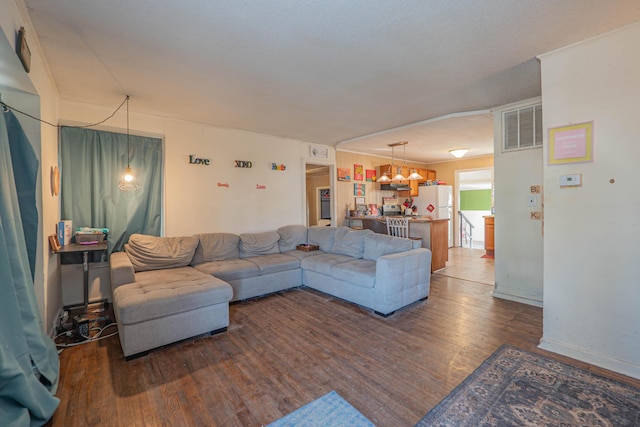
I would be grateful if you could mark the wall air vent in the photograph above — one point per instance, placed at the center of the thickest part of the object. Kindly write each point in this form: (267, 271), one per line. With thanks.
(522, 128)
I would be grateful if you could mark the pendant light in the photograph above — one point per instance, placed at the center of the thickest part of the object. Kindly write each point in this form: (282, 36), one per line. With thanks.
(385, 177)
(128, 181)
(415, 176)
(399, 176)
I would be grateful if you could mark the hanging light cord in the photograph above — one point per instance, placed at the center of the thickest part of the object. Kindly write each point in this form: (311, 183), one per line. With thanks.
(7, 107)
(126, 99)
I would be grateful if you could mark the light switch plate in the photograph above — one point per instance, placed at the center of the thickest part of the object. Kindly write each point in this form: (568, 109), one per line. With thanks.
(573, 180)
(533, 201)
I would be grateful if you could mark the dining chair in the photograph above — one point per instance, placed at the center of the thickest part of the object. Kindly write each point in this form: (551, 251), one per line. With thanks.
(398, 227)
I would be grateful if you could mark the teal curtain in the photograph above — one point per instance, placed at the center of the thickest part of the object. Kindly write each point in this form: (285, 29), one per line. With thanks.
(29, 364)
(25, 161)
(91, 164)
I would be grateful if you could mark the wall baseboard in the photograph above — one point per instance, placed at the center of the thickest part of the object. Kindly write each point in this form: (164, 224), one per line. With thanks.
(518, 298)
(621, 366)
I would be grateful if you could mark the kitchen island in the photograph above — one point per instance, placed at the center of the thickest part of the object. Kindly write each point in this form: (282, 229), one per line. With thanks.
(433, 232)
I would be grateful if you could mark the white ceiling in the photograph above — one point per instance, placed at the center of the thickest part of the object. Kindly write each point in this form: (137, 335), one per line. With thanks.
(322, 71)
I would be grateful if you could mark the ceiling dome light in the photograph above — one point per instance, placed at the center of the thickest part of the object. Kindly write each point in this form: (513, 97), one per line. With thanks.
(459, 152)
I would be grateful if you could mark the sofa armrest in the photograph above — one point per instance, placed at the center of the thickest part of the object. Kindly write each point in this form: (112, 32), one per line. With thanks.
(121, 269)
(401, 278)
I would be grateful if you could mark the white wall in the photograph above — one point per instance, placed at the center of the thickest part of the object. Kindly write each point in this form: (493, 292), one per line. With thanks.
(39, 97)
(256, 199)
(591, 277)
(194, 202)
(518, 239)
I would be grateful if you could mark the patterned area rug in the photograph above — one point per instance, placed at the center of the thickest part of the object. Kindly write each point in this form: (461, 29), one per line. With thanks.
(330, 410)
(516, 387)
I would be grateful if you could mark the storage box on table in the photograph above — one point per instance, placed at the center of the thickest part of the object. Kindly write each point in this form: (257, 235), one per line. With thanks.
(64, 231)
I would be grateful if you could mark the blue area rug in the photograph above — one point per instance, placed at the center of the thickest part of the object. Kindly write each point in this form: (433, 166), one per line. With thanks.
(330, 410)
(514, 387)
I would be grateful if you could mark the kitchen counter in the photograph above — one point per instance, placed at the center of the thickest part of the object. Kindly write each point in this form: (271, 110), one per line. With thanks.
(433, 232)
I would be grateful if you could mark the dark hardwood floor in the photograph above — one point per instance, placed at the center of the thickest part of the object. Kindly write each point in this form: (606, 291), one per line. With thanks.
(285, 350)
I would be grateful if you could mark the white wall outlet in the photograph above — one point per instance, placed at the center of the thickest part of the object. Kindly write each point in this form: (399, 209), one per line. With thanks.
(533, 201)
(573, 180)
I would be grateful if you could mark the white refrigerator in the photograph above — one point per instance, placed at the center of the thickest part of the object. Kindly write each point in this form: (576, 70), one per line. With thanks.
(437, 202)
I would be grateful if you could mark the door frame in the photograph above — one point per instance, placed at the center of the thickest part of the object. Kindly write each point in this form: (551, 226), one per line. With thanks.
(456, 189)
(332, 188)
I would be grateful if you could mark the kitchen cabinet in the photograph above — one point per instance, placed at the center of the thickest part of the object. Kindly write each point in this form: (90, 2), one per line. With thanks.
(427, 175)
(435, 237)
(488, 235)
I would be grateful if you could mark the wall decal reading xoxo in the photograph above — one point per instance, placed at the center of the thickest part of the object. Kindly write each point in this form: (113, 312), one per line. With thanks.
(243, 164)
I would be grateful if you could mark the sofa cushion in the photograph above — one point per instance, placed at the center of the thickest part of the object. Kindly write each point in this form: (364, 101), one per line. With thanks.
(377, 245)
(302, 254)
(161, 293)
(322, 263)
(231, 269)
(321, 236)
(216, 247)
(349, 242)
(291, 236)
(274, 263)
(254, 244)
(360, 272)
(154, 253)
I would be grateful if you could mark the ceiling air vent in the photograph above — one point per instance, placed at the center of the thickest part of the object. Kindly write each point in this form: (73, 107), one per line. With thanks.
(522, 128)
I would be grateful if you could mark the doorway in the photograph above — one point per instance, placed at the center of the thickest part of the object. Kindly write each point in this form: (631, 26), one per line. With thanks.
(318, 194)
(474, 199)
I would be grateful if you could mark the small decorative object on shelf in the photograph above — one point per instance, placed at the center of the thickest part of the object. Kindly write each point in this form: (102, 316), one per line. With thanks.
(23, 51)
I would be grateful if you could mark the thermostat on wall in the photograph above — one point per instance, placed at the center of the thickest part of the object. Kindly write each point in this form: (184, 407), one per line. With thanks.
(573, 180)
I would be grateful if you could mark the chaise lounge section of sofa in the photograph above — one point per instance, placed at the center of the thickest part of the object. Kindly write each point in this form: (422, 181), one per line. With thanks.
(166, 289)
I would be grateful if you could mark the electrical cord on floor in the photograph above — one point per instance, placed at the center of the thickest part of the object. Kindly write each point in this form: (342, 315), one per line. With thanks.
(97, 337)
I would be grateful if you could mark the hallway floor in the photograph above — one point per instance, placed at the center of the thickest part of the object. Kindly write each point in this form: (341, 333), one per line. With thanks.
(468, 264)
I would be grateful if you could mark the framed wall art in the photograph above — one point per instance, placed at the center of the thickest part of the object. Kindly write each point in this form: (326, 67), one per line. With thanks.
(571, 144)
(358, 172)
(344, 174)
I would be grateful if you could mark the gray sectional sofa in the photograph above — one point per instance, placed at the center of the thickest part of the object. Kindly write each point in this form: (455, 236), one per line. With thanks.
(166, 289)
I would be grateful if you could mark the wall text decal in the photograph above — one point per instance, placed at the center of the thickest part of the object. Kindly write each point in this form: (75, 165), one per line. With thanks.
(261, 187)
(223, 184)
(243, 164)
(276, 167)
(198, 161)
